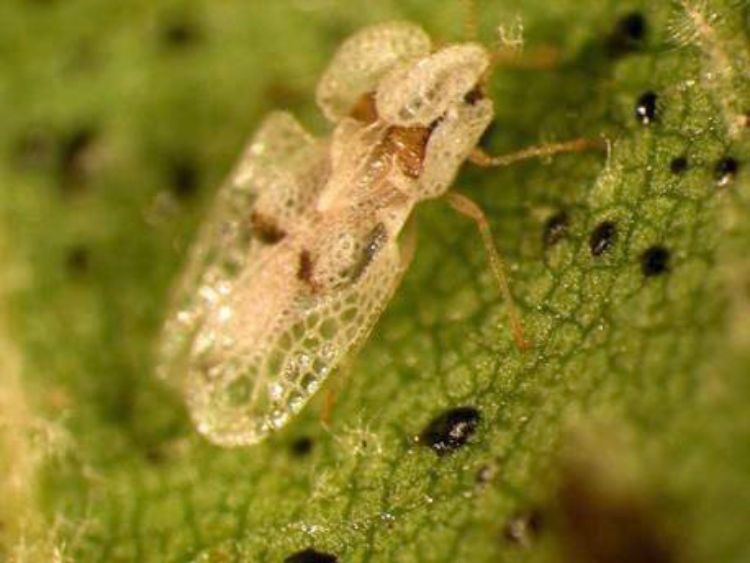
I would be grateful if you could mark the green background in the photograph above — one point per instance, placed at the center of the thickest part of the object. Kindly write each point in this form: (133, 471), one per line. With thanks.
(622, 435)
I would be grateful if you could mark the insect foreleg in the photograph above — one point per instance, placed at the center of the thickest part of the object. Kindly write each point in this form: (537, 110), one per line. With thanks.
(467, 207)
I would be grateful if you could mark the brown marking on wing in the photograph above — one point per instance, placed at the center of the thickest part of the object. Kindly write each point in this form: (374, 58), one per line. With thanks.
(305, 268)
(374, 241)
(265, 228)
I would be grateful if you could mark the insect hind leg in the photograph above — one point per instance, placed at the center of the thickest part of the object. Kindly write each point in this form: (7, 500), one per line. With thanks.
(468, 208)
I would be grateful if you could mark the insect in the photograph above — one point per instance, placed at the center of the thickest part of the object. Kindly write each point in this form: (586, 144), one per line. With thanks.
(307, 243)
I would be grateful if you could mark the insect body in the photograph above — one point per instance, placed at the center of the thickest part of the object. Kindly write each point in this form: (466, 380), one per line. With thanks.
(301, 252)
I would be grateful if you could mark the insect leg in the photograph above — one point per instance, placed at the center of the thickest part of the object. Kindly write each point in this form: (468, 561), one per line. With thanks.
(467, 207)
(471, 24)
(481, 158)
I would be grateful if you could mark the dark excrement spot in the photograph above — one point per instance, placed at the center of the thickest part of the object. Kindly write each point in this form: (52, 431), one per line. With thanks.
(726, 171)
(75, 155)
(310, 555)
(678, 165)
(645, 108)
(184, 177)
(655, 261)
(450, 430)
(628, 34)
(302, 446)
(179, 32)
(523, 527)
(602, 237)
(555, 228)
(77, 260)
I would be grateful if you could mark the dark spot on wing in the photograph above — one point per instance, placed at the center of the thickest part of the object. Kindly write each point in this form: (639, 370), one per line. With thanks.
(726, 171)
(522, 528)
(302, 446)
(374, 241)
(555, 228)
(474, 95)
(310, 555)
(266, 229)
(678, 165)
(305, 267)
(602, 238)
(450, 430)
(645, 108)
(655, 261)
(628, 35)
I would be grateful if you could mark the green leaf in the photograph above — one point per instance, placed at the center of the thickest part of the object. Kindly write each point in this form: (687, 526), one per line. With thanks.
(622, 434)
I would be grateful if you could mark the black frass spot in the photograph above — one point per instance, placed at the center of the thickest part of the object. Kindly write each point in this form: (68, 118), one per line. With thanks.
(310, 555)
(602, 238)
(678, 165)
(655, 261)
(301, 446)
(628, 35)
(726, 171)
(450, 430)
(555, 228)
(645, 108)
(180, 32)
(184, 177)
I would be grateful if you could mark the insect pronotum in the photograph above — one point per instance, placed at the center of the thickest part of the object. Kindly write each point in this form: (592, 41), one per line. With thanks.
(301, 252)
